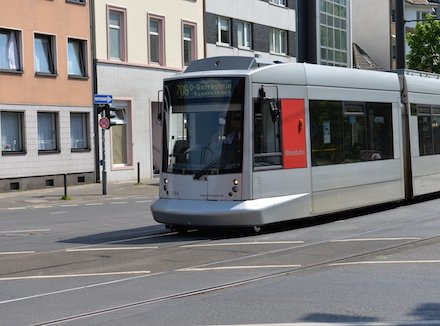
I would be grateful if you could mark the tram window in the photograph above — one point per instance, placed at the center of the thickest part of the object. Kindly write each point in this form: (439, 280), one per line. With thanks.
(380, 131)
(326, 132)
(267, 142)
(436, 133)
(355, 146)
(425, 123)
(349, 132)
(429, 129)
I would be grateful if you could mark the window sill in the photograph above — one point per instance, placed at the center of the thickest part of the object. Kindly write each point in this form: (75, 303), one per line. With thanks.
(156, 64)
(45, 75)
(77, 2)
(9, 153)
(225, 45)
(278, 5)
(245, 48)
(80, 150)
(47, 152)
(78, 77)
(279, 54)
(12, 72)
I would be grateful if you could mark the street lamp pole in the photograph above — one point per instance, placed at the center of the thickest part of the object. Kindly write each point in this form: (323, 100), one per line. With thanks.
(400, 34)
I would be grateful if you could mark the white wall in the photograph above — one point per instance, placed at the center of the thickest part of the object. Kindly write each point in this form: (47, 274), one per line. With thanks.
(371, 29)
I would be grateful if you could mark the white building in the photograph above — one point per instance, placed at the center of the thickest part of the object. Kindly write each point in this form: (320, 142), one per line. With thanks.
(374, 27)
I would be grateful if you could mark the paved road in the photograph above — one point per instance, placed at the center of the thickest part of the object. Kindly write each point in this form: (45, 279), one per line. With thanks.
(102, 260)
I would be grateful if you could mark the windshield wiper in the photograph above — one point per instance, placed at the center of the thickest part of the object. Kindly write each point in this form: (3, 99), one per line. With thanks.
(207, 168)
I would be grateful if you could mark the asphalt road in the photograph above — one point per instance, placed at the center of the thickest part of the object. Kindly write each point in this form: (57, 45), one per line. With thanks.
(103, 261)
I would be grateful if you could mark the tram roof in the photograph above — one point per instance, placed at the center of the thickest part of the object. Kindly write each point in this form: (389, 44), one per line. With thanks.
(421, 82)
(326, 76)
(294, 73)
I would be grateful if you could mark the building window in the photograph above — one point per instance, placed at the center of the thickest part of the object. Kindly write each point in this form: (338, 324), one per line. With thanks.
(12, 131)
(244, 32)
(9, 50)
(47, 131)
(278, 41)
(121, 135)
(45, 62)
(189, 43)
(334, 36)
(116, 34)
(282, 3)
(77, 55)
(156, 40)
(224, 30)
(423, 15)
(79, 127)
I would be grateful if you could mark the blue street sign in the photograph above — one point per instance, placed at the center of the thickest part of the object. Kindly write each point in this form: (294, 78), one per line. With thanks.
(102, 99)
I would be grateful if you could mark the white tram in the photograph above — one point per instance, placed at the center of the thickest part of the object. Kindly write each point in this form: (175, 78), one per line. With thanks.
(246, 144)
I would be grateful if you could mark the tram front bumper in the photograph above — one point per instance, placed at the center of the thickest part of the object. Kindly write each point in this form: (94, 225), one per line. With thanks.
(227, 213)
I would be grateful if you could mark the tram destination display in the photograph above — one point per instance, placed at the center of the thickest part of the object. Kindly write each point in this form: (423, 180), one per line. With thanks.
(205, 88)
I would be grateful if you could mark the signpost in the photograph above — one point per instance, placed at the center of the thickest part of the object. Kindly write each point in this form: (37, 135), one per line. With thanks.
(104, 123)
(102, 100)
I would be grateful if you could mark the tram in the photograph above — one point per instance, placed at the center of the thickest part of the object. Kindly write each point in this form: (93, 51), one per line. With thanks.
(246, 144)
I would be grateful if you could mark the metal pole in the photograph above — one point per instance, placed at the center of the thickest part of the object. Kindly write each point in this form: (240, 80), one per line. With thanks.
(65, 185)
(104, 169)
(400, 34)
(139, 172)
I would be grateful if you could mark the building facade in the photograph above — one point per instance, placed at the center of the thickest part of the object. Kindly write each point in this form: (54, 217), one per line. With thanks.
(256, 28)
(138, 43)
(46, 94)
(379, 39)
(325, 35)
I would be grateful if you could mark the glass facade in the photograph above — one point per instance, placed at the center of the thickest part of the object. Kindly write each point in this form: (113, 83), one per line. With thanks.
(334, 33)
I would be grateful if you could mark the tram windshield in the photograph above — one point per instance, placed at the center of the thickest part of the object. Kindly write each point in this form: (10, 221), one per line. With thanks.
(203, 126)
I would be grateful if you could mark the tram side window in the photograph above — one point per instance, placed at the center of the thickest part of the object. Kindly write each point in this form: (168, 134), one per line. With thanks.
(349, 132)
(326, 132)
(428, 119)
(380, 131)
(267, 138)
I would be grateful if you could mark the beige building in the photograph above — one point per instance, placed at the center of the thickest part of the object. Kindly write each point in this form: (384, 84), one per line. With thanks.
(138, 43)
(45, 95)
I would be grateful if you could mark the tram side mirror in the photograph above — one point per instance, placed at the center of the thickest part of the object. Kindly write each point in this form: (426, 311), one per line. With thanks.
(274, 110)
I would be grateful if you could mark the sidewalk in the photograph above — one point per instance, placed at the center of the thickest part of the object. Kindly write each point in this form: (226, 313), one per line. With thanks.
(87, 192)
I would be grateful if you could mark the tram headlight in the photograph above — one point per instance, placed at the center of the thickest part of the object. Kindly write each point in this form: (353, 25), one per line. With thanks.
(235, 182)
(235, 189)
(165, 184)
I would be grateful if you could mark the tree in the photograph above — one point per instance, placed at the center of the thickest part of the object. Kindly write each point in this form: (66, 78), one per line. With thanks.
(425, 46)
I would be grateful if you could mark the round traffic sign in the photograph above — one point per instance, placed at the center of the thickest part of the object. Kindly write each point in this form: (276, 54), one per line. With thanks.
(104, 123)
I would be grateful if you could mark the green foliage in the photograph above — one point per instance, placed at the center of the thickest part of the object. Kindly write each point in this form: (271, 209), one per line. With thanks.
(425, 46)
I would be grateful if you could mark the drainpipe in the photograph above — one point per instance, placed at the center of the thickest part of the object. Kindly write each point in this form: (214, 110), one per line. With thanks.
(94, 89)
(204, 28)
(400, 34)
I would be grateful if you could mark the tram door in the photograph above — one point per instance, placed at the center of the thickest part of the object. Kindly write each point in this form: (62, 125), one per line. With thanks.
(294, 135)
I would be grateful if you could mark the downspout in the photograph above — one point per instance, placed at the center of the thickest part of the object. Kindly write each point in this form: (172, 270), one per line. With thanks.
(204, 28)
(400, 34)
(94, 89)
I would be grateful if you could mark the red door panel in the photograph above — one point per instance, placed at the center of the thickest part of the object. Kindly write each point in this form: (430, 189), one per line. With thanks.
(294, 133)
